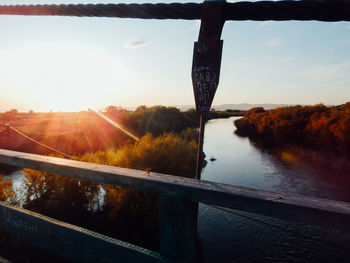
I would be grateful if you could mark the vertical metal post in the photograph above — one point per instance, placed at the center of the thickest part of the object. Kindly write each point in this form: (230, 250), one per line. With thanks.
(206, 66)
(178, 217)
(200, 156)
(178, 229)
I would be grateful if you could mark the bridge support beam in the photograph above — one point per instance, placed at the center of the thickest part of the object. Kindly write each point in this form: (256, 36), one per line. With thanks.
(178, 228)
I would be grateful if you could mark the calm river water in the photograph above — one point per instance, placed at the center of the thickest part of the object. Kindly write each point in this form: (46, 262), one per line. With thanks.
(230, 238)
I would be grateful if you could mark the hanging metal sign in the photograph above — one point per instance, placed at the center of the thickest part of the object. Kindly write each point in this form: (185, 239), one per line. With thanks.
(207, 55)
(205, 77)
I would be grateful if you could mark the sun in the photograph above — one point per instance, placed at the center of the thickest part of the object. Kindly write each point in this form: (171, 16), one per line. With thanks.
(60, 77)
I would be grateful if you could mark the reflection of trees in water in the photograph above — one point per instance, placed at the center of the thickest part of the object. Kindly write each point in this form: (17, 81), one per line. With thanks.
(123, 214)
(305, 170)
(6, 190)
(292, 154)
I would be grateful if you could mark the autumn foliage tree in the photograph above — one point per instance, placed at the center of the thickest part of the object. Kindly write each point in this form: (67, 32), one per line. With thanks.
(318, 125)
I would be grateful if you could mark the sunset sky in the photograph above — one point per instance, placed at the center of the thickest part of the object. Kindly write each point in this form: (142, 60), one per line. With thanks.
(65, 63)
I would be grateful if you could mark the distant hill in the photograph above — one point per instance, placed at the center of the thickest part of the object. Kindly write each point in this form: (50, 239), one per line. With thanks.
(241, 106)
(248, 106)
(222, 107)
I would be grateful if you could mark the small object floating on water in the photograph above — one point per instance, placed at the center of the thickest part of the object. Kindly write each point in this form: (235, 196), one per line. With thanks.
(212, 159)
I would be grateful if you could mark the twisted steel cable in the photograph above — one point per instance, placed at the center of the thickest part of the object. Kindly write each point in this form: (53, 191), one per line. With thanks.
(326, 10)
(329, 11)
(144, 11)
(44, 145)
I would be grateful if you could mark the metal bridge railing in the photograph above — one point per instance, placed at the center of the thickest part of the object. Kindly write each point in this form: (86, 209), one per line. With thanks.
(177, 214)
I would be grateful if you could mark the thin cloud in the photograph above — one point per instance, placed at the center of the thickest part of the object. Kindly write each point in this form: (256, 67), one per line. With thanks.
(136, 43)
(348, 27)
(274, 42)
(266, 23)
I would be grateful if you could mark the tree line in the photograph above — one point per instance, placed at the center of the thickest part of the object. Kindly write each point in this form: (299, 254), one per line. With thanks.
(320, 126)
(80, 132)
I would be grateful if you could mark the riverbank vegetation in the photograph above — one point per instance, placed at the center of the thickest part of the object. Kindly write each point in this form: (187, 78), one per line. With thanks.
(76, 133)
(319, 126)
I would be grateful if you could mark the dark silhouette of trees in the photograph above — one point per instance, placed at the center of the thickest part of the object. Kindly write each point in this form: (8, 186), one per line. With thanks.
(114, 109)
(10, 115)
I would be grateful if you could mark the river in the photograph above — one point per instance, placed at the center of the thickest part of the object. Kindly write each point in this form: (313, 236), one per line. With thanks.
(231, 238)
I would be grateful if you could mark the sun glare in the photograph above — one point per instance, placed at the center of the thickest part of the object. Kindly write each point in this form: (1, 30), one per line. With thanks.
(117, 125)
(59, 77)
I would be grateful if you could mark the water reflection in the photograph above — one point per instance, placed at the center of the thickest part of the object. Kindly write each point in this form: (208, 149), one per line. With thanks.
(229, 238)
(20, 192)
(243, 162)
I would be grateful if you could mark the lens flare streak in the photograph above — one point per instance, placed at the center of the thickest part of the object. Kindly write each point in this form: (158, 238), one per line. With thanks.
(118, 126)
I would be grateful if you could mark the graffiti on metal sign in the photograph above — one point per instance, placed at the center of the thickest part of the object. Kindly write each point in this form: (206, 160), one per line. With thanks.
(206, 82)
